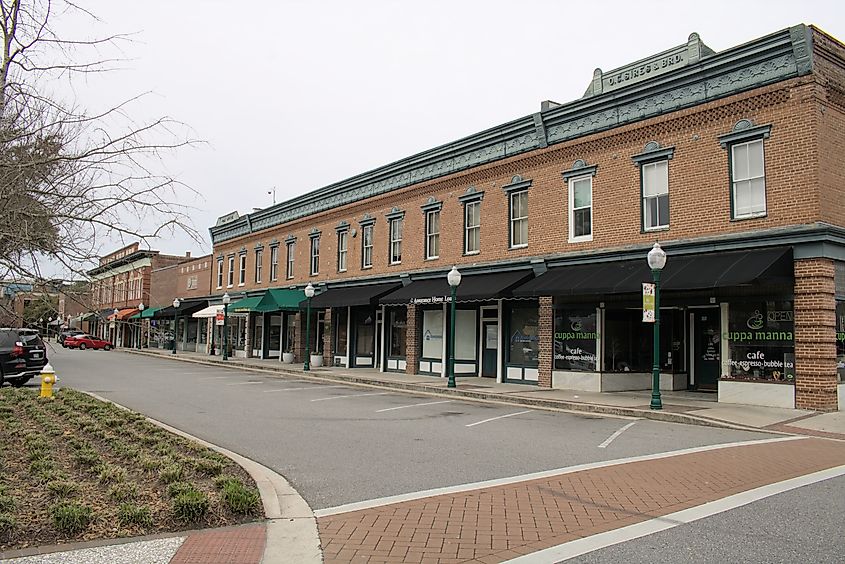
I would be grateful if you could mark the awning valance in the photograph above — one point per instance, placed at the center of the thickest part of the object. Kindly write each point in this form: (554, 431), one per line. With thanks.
(348, 296)
(245, 305)
(686, 272)
(210, 311)
(146, 314)
(277, 299)
(473, 288)
(122, 314)
(186, 307)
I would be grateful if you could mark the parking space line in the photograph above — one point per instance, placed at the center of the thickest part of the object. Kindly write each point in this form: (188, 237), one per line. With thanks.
(412, 405)
(352, 396)
(315, 387)
(218, 377)
(499, 417)
(612, 437)
(243, 383)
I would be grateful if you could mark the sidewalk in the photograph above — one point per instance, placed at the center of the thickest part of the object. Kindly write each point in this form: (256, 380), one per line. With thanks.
(693, 408)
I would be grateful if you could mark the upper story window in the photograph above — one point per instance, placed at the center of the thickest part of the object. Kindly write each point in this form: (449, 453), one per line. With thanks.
(274, 263)
(747, 168)
(291, 253)
(517, 192)
(367, 246)
(396, 226)
(654, 185)
(580, 201)
(315, 254)
(431, 210)
(259, 264)
(472, 220)
(342, 249)
(220, 272)
(230, 276)
(242, 269)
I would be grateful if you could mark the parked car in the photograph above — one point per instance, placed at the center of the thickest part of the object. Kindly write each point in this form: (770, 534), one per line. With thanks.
(86, 341)
(22, 355)
(65, 333)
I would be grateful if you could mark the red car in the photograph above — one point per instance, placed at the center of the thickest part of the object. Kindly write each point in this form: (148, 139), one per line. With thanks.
(85, 341)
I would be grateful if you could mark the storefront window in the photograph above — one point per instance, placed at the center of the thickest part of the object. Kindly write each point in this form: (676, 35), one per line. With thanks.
(258, 333)
(466, 324)
(290, 333)
(575, 339)
(760, 341)
(274, 342)
(840, 340)
(365, 333)
(341, 330)
(432, 341)
(523, 342)
(398, 330)
(629, 343)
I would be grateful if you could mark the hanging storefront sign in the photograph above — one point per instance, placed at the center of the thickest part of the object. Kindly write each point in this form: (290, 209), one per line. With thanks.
(648, 302)
(432, 300)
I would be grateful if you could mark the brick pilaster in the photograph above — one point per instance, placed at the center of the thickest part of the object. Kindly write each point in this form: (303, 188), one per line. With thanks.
(250, 323)
(299, 340)
(327, 338)
(545, 331)
(815, 335)
(412, 340)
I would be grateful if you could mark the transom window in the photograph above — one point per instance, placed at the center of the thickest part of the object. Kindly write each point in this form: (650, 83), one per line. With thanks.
(291, 248)
(472, 228)
(274, 263)
(581, 208)
(432, 234)
(519, 219)
(230, 279)
(655, 179)
(315, 256)
(342, 239)
(367, 246)
(748, 179)
(259, 260)
(396, 240)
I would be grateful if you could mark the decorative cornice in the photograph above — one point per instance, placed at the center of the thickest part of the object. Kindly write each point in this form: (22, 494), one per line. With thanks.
(259, 247)
(275, 242)
(432, 204)
(290, 239)
(745, 130)
(342, 226)
(471, 195)
(395, 213)
(517, 183)
(775, 57)
(366, 220)
(580, 168)
(653, 152)
(314, 233)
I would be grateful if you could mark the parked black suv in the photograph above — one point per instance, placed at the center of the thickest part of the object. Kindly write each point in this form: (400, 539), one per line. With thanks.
(22, 355)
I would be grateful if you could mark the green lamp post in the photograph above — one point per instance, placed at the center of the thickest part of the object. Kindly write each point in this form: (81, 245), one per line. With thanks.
(141, 307)
(226, 301)
(454, 279)
(656, 261)
(309, 293)
(176, 303)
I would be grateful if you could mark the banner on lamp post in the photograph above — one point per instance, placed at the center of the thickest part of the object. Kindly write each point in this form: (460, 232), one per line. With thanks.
(648, 302)
(220, 319)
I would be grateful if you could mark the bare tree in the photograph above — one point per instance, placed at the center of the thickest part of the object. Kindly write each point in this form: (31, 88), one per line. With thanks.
(70, 180)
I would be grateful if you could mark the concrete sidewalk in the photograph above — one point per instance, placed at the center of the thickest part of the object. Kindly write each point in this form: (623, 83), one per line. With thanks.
(694, 408)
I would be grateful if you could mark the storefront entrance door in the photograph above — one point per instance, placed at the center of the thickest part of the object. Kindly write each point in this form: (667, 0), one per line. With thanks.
(707, 348)
(490, 351)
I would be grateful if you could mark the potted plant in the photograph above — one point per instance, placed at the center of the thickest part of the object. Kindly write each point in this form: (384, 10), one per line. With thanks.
(316, 359)
(287, 357)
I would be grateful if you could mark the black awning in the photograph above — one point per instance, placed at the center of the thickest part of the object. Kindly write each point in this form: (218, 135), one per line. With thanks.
(366, 294)
(688, 272)
(185, 308)
(473, 288)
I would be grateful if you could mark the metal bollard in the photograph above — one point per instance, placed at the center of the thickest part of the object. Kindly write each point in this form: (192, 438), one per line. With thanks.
(48, 378)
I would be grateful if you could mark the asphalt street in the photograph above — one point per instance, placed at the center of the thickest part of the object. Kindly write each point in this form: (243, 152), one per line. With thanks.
(339, 444)
(802, 525)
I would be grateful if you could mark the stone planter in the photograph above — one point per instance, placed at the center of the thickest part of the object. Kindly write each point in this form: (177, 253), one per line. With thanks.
(316, 360)
(287, 358)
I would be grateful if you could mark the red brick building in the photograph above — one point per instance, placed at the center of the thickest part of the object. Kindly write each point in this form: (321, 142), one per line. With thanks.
(732, 160)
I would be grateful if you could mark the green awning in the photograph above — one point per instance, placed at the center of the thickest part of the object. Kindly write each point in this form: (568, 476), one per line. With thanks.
(245, 305)
(147, 313)
(86, 316)
(278, 299)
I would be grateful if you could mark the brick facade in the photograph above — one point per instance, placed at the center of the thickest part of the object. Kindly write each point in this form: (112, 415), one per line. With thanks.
(328, 341)
(412, 339)
(545, 332)
(815, 335)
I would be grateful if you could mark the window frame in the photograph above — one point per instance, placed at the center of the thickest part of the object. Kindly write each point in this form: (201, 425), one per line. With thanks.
(367, 233)
(314, 263)
(230, 276)
(734, 181)
(571, 205)
(468, 227)
(342, 250)
(259, 264)
(429, 235)
(274, 263)
(745, 132)
(290, 250)
(660, 227)
(512, 220)
(242, 269)
(396, 226)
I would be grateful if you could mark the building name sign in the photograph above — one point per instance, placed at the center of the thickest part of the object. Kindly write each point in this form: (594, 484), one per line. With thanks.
(432, 300)
(643, 70)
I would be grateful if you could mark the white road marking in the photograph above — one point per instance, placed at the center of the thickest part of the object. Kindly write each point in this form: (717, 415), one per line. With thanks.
(499, 417)
(315, 387)
(243, 383)
(218, 377)
(412, 405)
(611, 438)
(378, 502)
(352, 396)
(595, 542)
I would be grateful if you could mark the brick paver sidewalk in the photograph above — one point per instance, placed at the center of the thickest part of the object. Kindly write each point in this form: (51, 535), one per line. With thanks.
(238, 545)
(502, 522)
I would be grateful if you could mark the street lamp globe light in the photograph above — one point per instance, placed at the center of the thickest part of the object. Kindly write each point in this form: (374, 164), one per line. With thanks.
(656, 262)
(454, 280)
(226, 300)
(309, 293)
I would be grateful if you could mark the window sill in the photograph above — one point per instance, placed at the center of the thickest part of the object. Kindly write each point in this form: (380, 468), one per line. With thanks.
(750, 216)
(582, 239)
(395, 263)
(341, 271)
(368, 267)
(515, 247)
(241, 284)
(472, 253)
(655, 229)
(432, 258)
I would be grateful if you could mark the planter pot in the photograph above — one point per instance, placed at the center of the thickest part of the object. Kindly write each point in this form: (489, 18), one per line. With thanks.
(316, 360)
(287, 358)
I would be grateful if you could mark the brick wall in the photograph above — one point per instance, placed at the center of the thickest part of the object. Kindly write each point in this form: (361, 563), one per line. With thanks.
(545, 332)
(698, 183)
(328, 342)
(163, 284)
(412, 340)
(194, 278)
(815, 335)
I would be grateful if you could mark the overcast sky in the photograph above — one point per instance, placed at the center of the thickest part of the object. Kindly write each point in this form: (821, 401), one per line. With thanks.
(299, 94)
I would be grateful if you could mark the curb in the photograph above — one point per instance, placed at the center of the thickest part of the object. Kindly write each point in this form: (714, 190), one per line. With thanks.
(291, 526)
(550, 405)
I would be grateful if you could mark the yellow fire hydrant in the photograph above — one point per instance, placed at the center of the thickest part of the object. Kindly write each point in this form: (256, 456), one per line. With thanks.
(48, 378)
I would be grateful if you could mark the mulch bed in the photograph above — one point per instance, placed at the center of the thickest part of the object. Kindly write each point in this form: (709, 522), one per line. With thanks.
(61, 456)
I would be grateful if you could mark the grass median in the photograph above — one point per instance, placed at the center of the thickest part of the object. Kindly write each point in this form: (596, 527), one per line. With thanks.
(77, 469)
